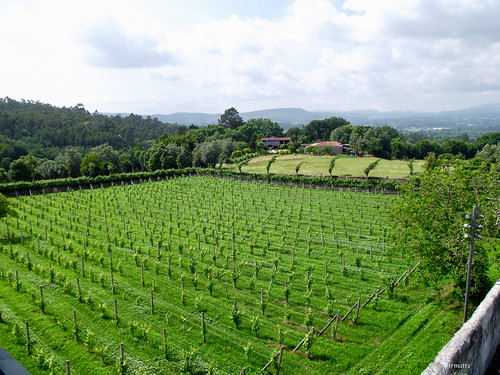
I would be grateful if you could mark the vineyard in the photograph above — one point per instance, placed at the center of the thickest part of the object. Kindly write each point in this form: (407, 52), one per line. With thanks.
(212, 275)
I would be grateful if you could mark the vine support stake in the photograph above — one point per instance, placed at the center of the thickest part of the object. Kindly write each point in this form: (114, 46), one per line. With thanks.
(279, 361)
(78, 289)
(74, 324)
(262, 299)
(336, 324)
(17, 281)
(203, 327)
(328, 324)
(68, 371)
(42, 304)
(28, 341)
(473, 227)
(112, 280)
(152, 302)
(357, 311)
(142, 274)
(116, 312)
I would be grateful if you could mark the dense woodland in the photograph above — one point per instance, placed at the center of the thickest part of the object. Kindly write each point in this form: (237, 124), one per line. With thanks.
(41, 141)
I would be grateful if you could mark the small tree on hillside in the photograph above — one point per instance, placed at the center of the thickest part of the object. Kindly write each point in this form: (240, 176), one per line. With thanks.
(270, 162)
(242, 163)
(371, 167)
(222, 158)
(332, 164)
(297, 168)
(410, 166)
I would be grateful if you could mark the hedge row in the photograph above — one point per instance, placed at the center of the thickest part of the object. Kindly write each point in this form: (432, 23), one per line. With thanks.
(332, 181)
(361, 182)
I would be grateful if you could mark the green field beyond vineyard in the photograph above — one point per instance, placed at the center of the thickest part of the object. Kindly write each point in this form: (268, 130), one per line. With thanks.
(318, 165)
(168, 251)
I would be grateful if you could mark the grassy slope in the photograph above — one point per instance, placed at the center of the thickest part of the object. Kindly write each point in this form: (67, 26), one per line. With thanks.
(186, 205)
(317, 165)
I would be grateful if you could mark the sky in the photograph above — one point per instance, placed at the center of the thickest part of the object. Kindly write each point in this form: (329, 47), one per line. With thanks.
(166, 56)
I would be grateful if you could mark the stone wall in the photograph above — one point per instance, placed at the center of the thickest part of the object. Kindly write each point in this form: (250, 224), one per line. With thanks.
(471, 349)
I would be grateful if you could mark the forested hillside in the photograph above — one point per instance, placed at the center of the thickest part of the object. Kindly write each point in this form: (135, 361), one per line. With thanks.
(41, 141)
(28, 126)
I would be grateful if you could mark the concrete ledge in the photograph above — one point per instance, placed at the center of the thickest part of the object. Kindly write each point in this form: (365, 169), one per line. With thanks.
(472, 348)
(9, 366)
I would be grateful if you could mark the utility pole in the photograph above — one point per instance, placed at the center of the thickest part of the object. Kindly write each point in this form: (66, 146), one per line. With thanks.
(473, 235)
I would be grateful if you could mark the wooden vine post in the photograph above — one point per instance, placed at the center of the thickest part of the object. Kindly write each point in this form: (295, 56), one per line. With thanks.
(336, 317)
(152, 302)
(121, 360)
(357, 311)
(336, 324)
(112, 281)
(75, 326)
(165, 348)
(116, 312)
(42, 303)
(17, 281)
(142, 274)
(280, 356)
(203, 327)
(28, 341)
(262, 303)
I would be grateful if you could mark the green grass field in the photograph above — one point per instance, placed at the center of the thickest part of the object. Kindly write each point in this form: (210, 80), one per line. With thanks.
(222, 240)
(317, 165)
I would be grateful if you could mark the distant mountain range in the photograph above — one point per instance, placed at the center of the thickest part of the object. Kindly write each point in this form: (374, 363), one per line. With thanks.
(484, 116)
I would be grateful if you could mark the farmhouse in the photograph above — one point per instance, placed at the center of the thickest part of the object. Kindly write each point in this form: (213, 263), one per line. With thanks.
(331, 147)
(274, 143)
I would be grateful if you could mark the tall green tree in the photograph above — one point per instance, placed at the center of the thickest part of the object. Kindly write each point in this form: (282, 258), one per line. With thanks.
(51, 169)
(231, 119)
(491, 138)
(341, 134)
(208, 153)
(72, 158)
(6, 208)
(322, 129)
(491, 153)
(430, 217)
(378, 140)
(357, 138)
(400, 149)
(24, 168)
(266, 127)
(93, 165)
(100, 160)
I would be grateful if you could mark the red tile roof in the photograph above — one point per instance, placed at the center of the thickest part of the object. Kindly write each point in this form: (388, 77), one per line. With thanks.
(277, 139)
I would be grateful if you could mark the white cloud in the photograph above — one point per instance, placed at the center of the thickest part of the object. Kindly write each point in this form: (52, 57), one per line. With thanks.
(110, 46)
(316, 54)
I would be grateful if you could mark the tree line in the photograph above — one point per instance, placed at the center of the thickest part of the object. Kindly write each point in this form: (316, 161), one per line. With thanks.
(40, 141)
